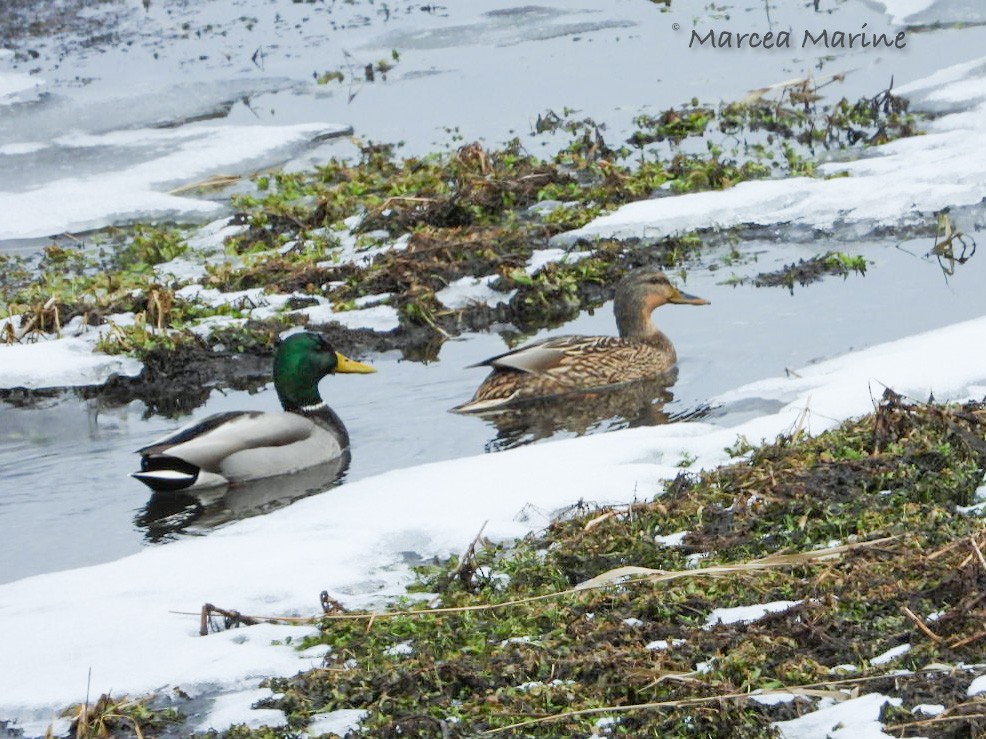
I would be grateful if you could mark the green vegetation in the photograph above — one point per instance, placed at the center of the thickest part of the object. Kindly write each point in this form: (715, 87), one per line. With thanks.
(861, 527)
(329, 234)
(368, 72)
(110, 717)
(807, 271)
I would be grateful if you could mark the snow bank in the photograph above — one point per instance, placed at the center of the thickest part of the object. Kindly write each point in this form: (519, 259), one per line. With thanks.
(899, 183)
(65, 362)
(14, 87)
(900, 10)
(165, 158)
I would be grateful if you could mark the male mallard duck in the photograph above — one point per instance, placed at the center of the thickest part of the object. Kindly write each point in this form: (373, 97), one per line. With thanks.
(246, 445)
(567, 364)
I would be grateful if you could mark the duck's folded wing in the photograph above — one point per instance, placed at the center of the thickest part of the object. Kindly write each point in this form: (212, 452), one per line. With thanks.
(207, 443)
(191, 431)
(545, 356)
(535, 358)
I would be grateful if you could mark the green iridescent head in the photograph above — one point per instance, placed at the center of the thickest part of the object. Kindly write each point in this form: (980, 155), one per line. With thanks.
(301, 361)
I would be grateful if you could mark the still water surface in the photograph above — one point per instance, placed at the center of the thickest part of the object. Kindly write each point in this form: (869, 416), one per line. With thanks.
(66, 499)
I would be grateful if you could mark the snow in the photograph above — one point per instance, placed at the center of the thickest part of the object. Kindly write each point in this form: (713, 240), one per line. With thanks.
(663, 644)
(900, 10)
(977, 686)
(928, 709)
(858, 718)
(403, 648)
(339, 722)
(541, 258)
(772, 699)
(746, 614)
(237, 708)
(943, 368)
(164, 158)
(694, 560)
(66, 362)
(365, 301)
(14, 85)
(903, 182)
(671, 540)
(467, 290)
(378, 318)
(891, 654)
(977, 509)
(347, 251)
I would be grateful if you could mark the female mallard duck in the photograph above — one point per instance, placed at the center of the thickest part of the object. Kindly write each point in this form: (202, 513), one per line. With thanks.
(567, 364)
(238, 446)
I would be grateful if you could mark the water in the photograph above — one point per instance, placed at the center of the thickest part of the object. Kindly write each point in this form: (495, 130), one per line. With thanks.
(66, 499)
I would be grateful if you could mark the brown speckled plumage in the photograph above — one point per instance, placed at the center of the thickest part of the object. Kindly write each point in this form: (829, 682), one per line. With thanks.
(567, 364)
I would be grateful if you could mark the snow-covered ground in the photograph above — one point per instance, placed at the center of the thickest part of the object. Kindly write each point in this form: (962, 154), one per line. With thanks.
(164, 159)
(69, 358)
(131, 625)
(66, 362)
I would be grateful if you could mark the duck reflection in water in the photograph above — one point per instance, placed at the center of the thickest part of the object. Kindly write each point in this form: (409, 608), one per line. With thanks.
(169, 513)
(639, 403)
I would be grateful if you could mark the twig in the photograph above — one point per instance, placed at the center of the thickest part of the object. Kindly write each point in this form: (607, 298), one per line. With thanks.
(967, 640)
(598, 520)
(232, 617)
(210, 182)
(944, 550)
(352, 77)
(606, 580)
(683, 702)
(469, 554)
(979, 552)
(26, 328)
(921, 625)
(942, 717)
(85, 708)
